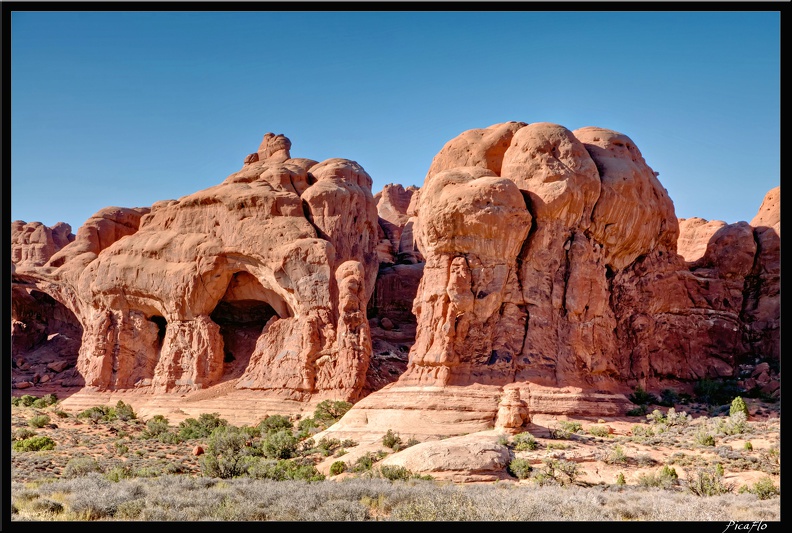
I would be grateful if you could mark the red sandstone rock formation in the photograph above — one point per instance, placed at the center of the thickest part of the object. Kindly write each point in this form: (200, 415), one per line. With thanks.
(393, 202)
(537, 268)
(276, 263)
(32, 244)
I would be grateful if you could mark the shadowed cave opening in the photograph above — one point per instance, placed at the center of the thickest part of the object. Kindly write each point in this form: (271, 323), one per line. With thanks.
(162, 328)
(46, 332)
(242, 312)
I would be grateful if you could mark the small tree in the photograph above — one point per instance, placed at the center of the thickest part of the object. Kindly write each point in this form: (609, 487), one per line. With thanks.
(124, 411)
(227, 453)
(738, 406)
(329, 412)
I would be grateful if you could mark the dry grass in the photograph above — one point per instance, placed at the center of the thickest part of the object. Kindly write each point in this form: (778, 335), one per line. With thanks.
(109, 471)
(186, 498)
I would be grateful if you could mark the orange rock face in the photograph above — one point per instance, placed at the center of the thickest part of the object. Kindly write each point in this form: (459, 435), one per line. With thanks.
(581, 284)
(537, 270)
(32, 244)
(269, 272)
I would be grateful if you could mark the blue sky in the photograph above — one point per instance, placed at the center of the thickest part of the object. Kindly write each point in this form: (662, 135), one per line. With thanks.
(127, 108)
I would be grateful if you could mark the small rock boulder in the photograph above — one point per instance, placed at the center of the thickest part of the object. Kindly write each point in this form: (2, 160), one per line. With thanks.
(469, 458)
(58, 366)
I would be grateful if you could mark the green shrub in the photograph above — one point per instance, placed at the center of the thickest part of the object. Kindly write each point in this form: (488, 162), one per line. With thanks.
(734, 424)
(119, 472)
(227, 454)
(707, 482)
(641, 397)
(329, 412)
(274, 423)
(620, 479)
(26, 400)
(155, 426)
(307, 427)
(765, 489)
(638, 411)
(392, 440)
(280, 445)
(674, 418)
(337, 467)
(253, 432)
(365, 462)
(639, 430)
(284, 469)
(327, 446)
(559, 471)
(565, 429)
(395, 473)
(202, 427)
(146, 472)
(524, 441)
(173, 468)
(520, 468)
(23, 433)
(45, 401)
(169, 437)
(599, 431)
(121, 448)
(46, 506)
(98, 413)
(39, 421)
(124, 411)
(33, 444)
(716, 392)
(616, 456)
(704, 438)
(748, 446)
(80, 466)
(61, 414)
(656, 417)
(665, 478)
(668, 398)
(738, 406)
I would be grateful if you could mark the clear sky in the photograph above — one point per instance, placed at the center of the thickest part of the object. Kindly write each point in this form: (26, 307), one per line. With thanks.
(128, 108)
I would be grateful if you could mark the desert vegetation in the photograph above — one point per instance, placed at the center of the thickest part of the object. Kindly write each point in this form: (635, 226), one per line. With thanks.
(106, 463)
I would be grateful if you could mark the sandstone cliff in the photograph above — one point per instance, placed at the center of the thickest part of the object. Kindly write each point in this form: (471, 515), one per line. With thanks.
(537, 269)
(264, 277)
